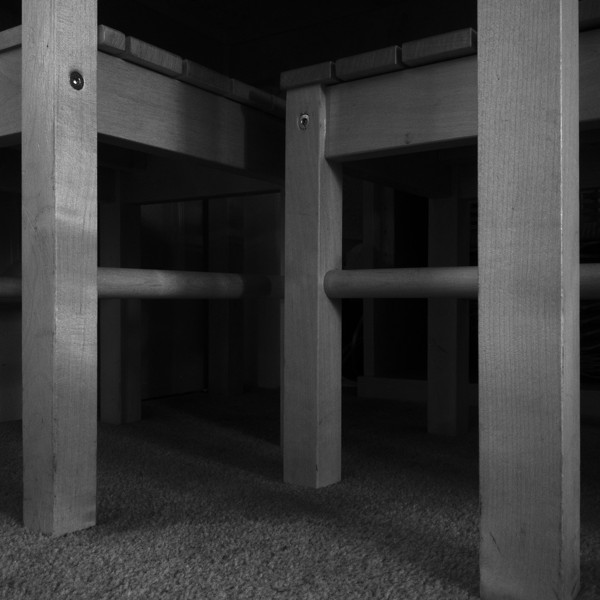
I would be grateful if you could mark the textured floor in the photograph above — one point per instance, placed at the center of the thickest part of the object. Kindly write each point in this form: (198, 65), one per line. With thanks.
(191, 506)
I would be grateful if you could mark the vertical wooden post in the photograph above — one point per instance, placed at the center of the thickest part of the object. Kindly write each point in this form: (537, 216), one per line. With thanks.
(447, 337)
(120, 320)
(312, 322)
(226, 317)
(59, 264)
(529, 299)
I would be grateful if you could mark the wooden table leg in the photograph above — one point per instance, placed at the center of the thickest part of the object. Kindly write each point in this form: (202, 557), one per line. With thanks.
(312, 322)
(59, 264)
(529, 300)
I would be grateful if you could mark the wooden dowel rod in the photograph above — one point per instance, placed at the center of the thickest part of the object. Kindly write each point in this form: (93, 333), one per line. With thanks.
(431, 282)
(147, 283)
(441, 282)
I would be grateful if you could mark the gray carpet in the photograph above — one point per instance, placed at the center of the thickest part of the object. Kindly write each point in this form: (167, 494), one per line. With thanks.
(190, 505)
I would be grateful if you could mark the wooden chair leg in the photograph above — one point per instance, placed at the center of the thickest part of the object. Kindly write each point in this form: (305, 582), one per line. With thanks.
(59, 151)
(447, 348)
(529, 299)
(312, 322)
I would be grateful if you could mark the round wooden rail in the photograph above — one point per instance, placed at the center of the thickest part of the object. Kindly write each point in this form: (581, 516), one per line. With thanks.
(430, 282)
(151, 284)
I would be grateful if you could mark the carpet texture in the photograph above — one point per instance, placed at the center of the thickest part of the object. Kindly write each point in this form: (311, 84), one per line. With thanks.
(191, 505)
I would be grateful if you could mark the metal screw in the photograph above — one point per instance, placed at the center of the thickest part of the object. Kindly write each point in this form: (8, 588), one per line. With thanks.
(303, 121)
(76, 79)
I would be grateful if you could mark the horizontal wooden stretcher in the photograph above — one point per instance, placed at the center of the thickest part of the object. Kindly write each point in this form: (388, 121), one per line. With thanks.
(188, 110)
(391, 109)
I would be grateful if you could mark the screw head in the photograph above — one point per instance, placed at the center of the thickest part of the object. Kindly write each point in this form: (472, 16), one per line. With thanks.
(76, 80)
(303, 121)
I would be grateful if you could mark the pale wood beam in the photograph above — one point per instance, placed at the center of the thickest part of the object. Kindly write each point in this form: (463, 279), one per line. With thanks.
(312, 322)
(528, 299)
(59, 264)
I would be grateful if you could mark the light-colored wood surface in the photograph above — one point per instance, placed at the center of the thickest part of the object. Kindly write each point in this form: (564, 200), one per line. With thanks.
(10, 38)
(153, 284)
(528, 300)
(447, 324)
(439, 47)
(312, 322)
(367, 64)
(253, 96)
(418, 282)
(460, 282)
(161, 113)
(152, 57)
(226, 318)
(402, 111)
(205, 78)
(406, 114)
(111, 41)
(429, 106)
(323, 73)
(59, 155)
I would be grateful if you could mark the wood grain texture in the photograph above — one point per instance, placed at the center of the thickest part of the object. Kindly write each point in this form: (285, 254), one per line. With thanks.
(205, 78)
(165, 114)
(447, 323)
(528, 301)
(440, 47)
(257, 98)
(418, 282)
(323, 73)
(398, 112)
(427, 107)
(403, 111)
(154, 284)
(152, 57)
(432, 282)
(312, 322)
(10, 38)
(59, 154)
(111, 41)
(371, 63)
